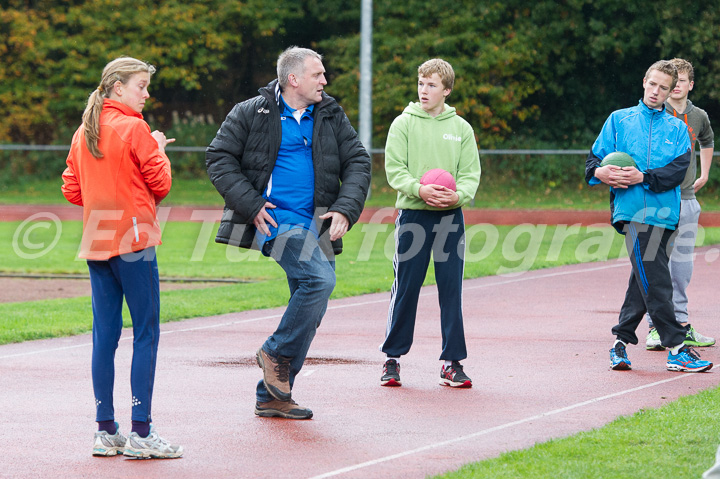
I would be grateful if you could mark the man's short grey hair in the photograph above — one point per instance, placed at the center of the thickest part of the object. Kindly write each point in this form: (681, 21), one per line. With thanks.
(292, 60)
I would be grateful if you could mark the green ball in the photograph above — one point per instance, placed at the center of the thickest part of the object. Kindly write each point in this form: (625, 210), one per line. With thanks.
(618, 158)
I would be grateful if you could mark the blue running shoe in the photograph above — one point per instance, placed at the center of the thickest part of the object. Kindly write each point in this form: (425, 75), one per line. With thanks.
(618, 358)
(687, 360)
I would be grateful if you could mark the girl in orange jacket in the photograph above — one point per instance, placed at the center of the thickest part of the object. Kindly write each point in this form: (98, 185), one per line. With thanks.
(117, 170)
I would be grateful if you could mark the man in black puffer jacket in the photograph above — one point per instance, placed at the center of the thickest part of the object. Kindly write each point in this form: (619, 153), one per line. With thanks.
(294, 177)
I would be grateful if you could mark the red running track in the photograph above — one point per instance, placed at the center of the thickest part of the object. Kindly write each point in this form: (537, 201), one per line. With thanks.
(538, 344)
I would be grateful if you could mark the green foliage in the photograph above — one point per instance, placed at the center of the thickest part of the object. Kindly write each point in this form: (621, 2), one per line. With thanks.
(527, 71)
(27, 166)
(54, 52)
(548, 71)
(24, 105)
(494, 63)
(189, 130)
(690, 31)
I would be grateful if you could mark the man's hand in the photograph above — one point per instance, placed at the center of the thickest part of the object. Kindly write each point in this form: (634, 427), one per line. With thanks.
(438, 196)
(339, 225)
(263, 217)
(619, 177)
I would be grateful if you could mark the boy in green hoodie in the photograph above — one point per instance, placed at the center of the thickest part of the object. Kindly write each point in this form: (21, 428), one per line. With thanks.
(427, 135)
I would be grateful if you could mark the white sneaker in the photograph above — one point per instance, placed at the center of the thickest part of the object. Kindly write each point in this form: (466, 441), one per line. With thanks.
(652, 342)
(109, 444)
(693, 338)
(151, 447)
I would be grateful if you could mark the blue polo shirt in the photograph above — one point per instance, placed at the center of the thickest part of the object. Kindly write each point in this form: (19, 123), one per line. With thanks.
(292, 182)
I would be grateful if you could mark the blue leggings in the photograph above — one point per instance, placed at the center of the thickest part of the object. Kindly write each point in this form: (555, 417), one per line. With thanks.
(133, 276)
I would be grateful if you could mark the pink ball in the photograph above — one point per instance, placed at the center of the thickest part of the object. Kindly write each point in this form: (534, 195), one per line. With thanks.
(438, 176)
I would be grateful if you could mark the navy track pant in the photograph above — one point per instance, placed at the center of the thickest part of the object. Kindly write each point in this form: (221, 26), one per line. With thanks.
(650, 286)
(418, 233)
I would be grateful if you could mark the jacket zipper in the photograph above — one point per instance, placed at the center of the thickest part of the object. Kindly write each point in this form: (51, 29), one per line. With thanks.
(647, 165)
(135, 228)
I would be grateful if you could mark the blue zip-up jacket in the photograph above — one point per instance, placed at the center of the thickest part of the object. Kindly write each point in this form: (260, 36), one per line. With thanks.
(660, 145)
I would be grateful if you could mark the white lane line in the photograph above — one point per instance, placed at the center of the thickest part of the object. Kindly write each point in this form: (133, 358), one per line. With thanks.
(493, 429)
(339, 306)
(129, 338)
(220, 325)
(50, 350)
(498, 283)
(550, 275)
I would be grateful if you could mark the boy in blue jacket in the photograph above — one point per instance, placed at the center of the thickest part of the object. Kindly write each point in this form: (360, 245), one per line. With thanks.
(645, 206)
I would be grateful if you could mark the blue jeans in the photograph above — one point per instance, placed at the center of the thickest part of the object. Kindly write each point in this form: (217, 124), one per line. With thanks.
(311, 278)
(133, 276)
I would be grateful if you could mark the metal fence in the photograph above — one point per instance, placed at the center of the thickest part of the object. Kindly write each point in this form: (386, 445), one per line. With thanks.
(67, 148)
(374, 151)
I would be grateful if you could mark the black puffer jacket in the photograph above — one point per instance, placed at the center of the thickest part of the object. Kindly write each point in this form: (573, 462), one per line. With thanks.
(242, 156)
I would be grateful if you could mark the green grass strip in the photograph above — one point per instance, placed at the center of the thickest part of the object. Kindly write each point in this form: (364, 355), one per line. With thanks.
(200, 191)
(364, 267)
(495, 194)
(676, 441)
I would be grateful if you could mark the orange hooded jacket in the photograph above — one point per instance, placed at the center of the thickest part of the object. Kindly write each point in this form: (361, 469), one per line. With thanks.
(118, 192)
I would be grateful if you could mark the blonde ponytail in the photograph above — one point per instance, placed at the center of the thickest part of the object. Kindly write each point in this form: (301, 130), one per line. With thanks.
(120, 69)
(91, 122)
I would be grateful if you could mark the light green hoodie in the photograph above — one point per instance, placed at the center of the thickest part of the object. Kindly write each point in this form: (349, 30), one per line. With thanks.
(417, 142)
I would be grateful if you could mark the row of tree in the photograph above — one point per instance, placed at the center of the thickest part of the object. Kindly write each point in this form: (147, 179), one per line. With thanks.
(529, 74)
